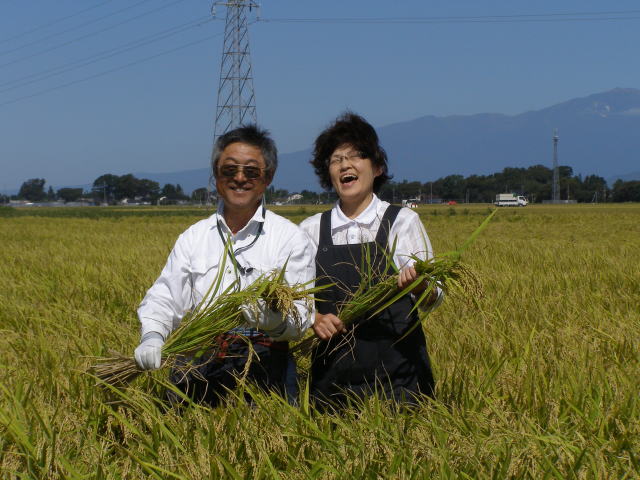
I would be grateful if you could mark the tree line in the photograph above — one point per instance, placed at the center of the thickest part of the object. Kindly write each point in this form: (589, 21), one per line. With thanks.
(106, 188)
(111, 188)
(534, 182)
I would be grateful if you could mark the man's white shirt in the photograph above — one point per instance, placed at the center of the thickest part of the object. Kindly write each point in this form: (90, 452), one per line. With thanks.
(199, 254)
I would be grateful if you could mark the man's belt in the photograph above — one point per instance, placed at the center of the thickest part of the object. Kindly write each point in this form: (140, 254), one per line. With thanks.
(242, 335)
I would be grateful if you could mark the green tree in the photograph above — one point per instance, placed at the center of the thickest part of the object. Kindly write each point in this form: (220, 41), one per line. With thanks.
(148, 189)
(452, 187)
(180, 193)
(33, 190)
(512, 180)
(539, 174)
(127, 187)
(169, 190)
(387, 190)
(480, 189)
(309, 196)
(200, 195)
(105, 186)
(273, 195)
(626, 191)
(406, 190)
(69, 194)
(593, 188)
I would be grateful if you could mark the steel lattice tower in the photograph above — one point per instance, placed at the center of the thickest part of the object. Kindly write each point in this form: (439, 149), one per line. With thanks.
(236, 97)
(555, 187)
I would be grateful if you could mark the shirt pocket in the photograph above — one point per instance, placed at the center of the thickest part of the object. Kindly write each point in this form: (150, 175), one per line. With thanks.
(207, 280)
(256, 269)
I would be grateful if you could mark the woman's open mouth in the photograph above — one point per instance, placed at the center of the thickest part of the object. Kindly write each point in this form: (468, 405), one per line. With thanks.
(348, 179)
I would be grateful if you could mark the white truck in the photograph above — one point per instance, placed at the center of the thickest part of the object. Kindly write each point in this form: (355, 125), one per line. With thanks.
(510, 200)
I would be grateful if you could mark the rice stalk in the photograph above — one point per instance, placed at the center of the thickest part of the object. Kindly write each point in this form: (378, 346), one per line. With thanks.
(377, 292)
(214, 316)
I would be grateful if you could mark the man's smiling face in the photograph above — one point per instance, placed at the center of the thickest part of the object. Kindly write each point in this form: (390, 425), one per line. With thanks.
(238, 186)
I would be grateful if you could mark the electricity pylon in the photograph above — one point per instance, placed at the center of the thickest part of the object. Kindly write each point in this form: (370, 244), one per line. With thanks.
(236, 97)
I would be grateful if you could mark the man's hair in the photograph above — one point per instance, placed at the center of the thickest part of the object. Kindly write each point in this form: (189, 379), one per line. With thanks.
(252, 135)
(349, 129)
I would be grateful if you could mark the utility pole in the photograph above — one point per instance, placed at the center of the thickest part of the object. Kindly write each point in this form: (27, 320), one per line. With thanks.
(555, 187)
(236, 97)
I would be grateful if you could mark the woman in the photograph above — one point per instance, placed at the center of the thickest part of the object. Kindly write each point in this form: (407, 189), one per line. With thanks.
(373, 354)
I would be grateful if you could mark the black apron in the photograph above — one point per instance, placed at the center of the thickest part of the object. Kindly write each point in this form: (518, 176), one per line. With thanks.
(370, 357)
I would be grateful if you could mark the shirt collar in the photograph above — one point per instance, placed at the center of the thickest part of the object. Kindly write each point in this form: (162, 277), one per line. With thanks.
(368, 215)
(258, 217)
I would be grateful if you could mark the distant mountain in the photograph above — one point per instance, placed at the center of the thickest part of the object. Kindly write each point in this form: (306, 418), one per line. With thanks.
(627, 177)
(599, 134)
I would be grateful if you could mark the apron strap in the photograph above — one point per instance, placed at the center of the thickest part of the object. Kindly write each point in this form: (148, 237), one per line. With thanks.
(382, 238)
(325, 229)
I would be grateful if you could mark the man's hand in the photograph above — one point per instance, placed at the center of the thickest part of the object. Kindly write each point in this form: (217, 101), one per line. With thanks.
(326, 326)
(407, 276)
(149, 353)
(260, 316)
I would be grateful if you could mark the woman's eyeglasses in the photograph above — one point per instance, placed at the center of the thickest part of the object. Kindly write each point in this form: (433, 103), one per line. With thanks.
(351, 157)
(249, 171)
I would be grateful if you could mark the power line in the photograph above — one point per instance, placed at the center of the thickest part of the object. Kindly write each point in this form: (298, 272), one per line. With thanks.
(53, 22)
(106, 72)
(105, 54)
(91, 34)
(567, 16)
(519, 18)
(71, 29)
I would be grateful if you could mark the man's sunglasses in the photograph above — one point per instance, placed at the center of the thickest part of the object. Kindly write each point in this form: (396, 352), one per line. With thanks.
(249, 171)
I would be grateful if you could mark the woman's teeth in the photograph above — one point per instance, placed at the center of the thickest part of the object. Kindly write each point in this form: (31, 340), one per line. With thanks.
(348, 178)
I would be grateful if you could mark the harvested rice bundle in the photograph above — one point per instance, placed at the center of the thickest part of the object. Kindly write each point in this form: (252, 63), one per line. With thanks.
(445, 271)
(448, 272)
(279, 296)
(376, 294)
(215, 316)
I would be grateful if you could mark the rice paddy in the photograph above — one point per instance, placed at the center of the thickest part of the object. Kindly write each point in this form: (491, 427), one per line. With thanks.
(537, 379)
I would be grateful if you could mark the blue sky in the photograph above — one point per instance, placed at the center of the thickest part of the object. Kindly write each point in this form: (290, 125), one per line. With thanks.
(156, 114)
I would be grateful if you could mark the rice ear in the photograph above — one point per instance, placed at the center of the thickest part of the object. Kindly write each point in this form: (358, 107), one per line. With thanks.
(443, 270)
(217, 313)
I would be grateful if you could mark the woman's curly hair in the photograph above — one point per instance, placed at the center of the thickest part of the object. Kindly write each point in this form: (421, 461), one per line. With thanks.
(349, 129)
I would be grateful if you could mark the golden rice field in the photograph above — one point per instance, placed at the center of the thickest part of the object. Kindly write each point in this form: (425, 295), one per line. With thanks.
(540, 380)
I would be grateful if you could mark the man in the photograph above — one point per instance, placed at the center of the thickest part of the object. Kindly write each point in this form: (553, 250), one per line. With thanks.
(244, 162)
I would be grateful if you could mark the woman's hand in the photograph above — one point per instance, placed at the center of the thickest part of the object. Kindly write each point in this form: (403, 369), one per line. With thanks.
(326, 326)
(407, 276)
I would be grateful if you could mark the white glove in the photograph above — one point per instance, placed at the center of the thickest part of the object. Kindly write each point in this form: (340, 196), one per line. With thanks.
(258, 315)
(149, 352)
